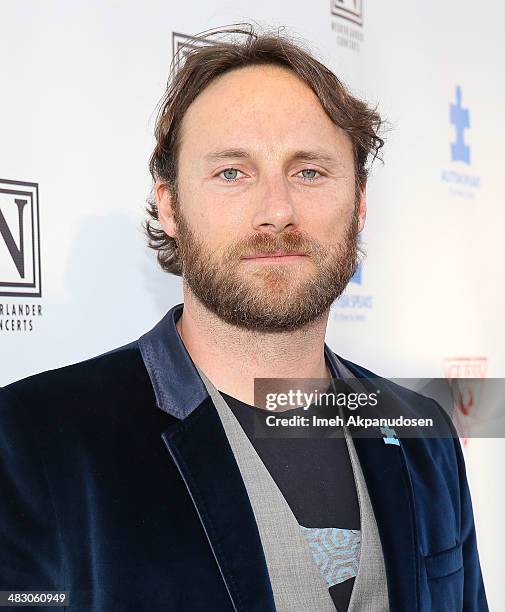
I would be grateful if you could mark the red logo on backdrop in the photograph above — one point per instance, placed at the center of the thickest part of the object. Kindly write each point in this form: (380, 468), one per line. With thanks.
(465, 376)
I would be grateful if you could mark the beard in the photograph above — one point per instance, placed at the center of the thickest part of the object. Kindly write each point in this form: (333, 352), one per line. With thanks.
(268, 297)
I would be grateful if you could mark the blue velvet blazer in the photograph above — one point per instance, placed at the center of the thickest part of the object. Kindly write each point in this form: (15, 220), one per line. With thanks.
(118, 484)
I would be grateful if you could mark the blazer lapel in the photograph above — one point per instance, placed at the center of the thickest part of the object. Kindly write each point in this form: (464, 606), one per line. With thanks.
(200, 449)
(201, 452)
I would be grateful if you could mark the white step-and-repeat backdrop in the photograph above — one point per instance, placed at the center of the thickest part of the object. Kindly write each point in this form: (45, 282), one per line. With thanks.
(80, 83)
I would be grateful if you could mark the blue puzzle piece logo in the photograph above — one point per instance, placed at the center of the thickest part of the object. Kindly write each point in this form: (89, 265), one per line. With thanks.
(460, 118)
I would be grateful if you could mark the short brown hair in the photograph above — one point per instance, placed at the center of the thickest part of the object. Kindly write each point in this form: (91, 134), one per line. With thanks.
(208, 56)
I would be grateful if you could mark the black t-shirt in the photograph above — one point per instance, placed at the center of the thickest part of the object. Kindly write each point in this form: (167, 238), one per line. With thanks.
(315, 476)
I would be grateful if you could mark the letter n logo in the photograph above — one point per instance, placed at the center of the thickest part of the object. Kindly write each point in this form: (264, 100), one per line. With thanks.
(19, 239)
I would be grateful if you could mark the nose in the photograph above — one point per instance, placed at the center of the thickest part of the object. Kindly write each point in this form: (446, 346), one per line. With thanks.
(275, 210)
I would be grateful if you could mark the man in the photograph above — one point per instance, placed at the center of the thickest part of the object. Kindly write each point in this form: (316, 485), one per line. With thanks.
(135, 481)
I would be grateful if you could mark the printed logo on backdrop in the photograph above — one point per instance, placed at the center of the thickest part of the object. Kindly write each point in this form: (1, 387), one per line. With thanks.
(183, 43)
(465, 376)
(355, 303)
(20, 267)
(347, 23)
(460, 180)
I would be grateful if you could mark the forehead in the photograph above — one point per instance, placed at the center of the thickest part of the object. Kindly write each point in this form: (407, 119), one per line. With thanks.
(265, 108)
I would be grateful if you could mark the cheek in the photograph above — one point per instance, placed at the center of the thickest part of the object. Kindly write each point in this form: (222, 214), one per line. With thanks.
(327, 224)
(220, 220)
(217, 231)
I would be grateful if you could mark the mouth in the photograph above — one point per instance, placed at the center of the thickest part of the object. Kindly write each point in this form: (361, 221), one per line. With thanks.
(278, 257)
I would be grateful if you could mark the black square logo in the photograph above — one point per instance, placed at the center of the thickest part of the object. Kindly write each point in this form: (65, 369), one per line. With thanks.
(19, 239)
(352, 10)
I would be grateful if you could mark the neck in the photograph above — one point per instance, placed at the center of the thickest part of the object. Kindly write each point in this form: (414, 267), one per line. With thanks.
(232, 357)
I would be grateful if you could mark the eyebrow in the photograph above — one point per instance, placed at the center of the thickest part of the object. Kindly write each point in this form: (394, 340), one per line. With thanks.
(310, 155)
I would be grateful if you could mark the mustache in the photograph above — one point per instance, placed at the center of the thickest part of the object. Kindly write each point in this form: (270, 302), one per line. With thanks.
(266, 243)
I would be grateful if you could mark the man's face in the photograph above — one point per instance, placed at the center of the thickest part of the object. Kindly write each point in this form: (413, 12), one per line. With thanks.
(266, 216)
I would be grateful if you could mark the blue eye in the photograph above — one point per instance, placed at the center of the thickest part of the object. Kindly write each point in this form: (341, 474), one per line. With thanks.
(227, 171)
(309, 178)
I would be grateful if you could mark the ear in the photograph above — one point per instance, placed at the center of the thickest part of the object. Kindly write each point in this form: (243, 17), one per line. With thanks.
(362, 207)
(165, 204)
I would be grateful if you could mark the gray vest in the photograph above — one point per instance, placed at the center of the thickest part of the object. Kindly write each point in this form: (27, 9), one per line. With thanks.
(297, 583)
